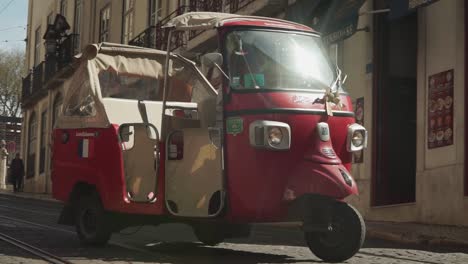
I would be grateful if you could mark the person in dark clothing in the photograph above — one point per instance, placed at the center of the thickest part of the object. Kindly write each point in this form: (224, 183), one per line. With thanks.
(17, 172)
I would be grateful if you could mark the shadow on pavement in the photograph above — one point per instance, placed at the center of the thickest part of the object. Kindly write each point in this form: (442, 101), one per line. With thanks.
(198, 253)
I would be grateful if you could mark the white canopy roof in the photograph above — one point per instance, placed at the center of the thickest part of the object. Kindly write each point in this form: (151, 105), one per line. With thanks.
(83, 105)
(210, 20)
(198, 20)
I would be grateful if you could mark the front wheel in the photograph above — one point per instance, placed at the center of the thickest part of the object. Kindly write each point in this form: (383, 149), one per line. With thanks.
(90, 221)
(344, 239)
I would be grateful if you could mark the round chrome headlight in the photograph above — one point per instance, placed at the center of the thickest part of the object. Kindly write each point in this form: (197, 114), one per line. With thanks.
(275, 136)
(358, 138)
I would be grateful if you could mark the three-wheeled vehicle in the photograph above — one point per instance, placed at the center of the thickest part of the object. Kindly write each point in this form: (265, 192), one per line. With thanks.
(261, 131)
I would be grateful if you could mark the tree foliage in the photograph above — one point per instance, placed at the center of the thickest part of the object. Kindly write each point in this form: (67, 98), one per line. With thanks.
(11, 72)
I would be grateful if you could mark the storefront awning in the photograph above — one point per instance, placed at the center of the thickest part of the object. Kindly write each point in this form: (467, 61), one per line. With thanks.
(400, 8)
(335, 19)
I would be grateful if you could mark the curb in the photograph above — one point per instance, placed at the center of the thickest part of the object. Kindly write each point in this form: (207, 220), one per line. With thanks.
(29, 196)
(415, 239)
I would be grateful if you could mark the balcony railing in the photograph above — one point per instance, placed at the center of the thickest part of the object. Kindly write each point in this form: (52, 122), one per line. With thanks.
(27, 86)
(38, 77)
(156, 37)
(35, 83)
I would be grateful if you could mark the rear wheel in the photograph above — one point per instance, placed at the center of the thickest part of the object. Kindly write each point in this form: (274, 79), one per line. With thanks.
(90, 221)
(345, 238)
(208, 234)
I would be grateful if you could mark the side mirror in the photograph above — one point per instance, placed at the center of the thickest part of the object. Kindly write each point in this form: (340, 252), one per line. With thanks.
(210, 60)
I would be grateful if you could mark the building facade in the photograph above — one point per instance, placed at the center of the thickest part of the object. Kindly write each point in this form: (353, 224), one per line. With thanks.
(406, 75)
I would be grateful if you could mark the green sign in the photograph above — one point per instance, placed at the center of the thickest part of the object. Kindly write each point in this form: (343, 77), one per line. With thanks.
(250, 80)
(234, 125)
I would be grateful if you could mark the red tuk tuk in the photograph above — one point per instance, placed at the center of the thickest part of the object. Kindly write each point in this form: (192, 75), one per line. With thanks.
(144, 137)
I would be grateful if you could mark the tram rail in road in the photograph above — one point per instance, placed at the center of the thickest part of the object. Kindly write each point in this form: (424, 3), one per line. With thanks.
(34, 250)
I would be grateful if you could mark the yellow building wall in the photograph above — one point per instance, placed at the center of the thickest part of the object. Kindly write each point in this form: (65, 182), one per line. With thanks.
(439, 172)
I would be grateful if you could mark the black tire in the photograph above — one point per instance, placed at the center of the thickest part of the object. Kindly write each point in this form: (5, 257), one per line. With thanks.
(209, 235)
(344, 241)
(91, 222)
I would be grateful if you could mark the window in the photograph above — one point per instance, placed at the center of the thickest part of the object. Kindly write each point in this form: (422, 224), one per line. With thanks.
(42, 157)
(77, 25)
(120, 85)
(104, 24)
(56, 108)
(155, 7)
(37, 46)
(128, 13)
(81, 102)
(32, 134)
(50, 18)
(63, 7)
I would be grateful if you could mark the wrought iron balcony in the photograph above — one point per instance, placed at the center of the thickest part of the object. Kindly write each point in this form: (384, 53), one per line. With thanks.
(156, 37)
(38, 77)
(27, 86)
(37, 82)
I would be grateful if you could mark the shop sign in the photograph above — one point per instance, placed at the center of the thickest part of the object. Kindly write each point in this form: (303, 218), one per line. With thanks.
(440, 110)
(400, 8)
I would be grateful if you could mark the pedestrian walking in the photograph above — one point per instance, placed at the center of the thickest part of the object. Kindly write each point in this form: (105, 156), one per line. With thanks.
(17, 172)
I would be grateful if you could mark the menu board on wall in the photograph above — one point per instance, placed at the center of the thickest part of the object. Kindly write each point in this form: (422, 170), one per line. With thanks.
(359, 113)
(440, 112)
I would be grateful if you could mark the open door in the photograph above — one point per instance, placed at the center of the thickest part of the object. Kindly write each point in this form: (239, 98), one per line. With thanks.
(141, 160)
(193, 166)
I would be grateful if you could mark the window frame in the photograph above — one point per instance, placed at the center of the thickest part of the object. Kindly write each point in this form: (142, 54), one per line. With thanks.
(32, 138)
(153, 11)
(104, 33)
(56, 108)
(77, 20)
(37, 45)
(63, 7)
(128, 20)
(42, 143)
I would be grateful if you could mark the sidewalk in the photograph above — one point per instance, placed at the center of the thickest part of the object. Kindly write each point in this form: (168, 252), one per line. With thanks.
(419, 234)
(27, 195)
(407, 233)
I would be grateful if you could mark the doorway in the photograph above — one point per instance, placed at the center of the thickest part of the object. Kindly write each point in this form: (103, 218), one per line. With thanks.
(395, 58)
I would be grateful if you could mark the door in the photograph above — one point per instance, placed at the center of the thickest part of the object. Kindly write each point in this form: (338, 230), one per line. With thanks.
(395, 87)
(141, 160)
(193, 165)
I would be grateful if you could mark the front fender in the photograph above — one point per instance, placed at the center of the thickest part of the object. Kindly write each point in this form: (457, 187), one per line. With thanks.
(321, 179)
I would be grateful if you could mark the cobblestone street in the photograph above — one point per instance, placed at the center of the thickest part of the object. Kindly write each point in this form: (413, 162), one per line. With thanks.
(33, 221)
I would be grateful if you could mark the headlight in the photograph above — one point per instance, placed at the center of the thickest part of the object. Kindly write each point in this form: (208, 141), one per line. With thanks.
(357, 138)
(271, 135)
(275, 136)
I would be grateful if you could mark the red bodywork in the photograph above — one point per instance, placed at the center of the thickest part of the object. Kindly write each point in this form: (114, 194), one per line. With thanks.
(259, 179)
(260, 183)
(102, 169)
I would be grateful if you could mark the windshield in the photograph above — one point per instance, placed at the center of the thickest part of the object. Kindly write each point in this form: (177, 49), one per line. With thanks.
(277, 60)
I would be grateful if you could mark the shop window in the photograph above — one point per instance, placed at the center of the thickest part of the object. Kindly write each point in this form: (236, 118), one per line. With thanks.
(42, 156)
(32, 138)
